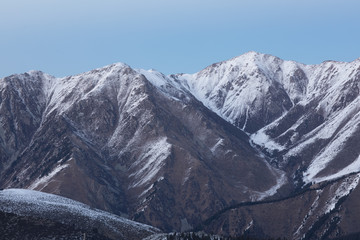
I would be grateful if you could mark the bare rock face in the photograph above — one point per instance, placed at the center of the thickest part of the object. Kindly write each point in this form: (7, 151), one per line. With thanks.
(175, 151)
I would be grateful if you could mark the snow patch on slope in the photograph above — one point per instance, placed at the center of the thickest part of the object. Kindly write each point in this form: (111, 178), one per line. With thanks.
(151, 162)
(334, 147)
(166, 84)
(219, 143)
(46, 179)
(311, 212)
(280, 181)
(351, 168)
(343, 190)
(260, 138)
(156, 78)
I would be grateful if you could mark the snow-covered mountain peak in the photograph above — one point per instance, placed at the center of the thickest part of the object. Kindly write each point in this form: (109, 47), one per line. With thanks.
(236, 89)
(255, 57)
(265, 95)
(110, 67)
(248, 62)
(36, 73)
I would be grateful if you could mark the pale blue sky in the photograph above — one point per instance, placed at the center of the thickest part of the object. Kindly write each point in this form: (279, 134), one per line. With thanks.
(65, 37)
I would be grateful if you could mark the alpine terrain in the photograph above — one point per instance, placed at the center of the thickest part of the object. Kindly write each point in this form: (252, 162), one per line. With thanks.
(254, 145)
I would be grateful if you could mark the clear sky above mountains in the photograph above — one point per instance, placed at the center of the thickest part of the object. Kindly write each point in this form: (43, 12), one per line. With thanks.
(63, 37)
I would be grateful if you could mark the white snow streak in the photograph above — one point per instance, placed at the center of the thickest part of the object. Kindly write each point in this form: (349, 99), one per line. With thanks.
(343, 190)
(246, 119)
(331, 151)
(219, 143)
(280, 181)
(260, 138)
(46, 179)
(150, 162)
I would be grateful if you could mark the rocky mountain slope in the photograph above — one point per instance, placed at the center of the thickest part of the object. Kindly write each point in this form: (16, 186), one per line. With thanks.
(175, 151)
(128, 141)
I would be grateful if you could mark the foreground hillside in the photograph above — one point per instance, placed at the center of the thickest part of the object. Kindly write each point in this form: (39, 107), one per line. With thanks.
(27, 214)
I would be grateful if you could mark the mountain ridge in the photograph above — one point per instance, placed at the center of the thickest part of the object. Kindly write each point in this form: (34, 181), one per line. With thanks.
(142, 144)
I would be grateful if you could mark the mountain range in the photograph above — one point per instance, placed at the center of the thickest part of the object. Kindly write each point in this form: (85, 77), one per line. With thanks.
(254, 145)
